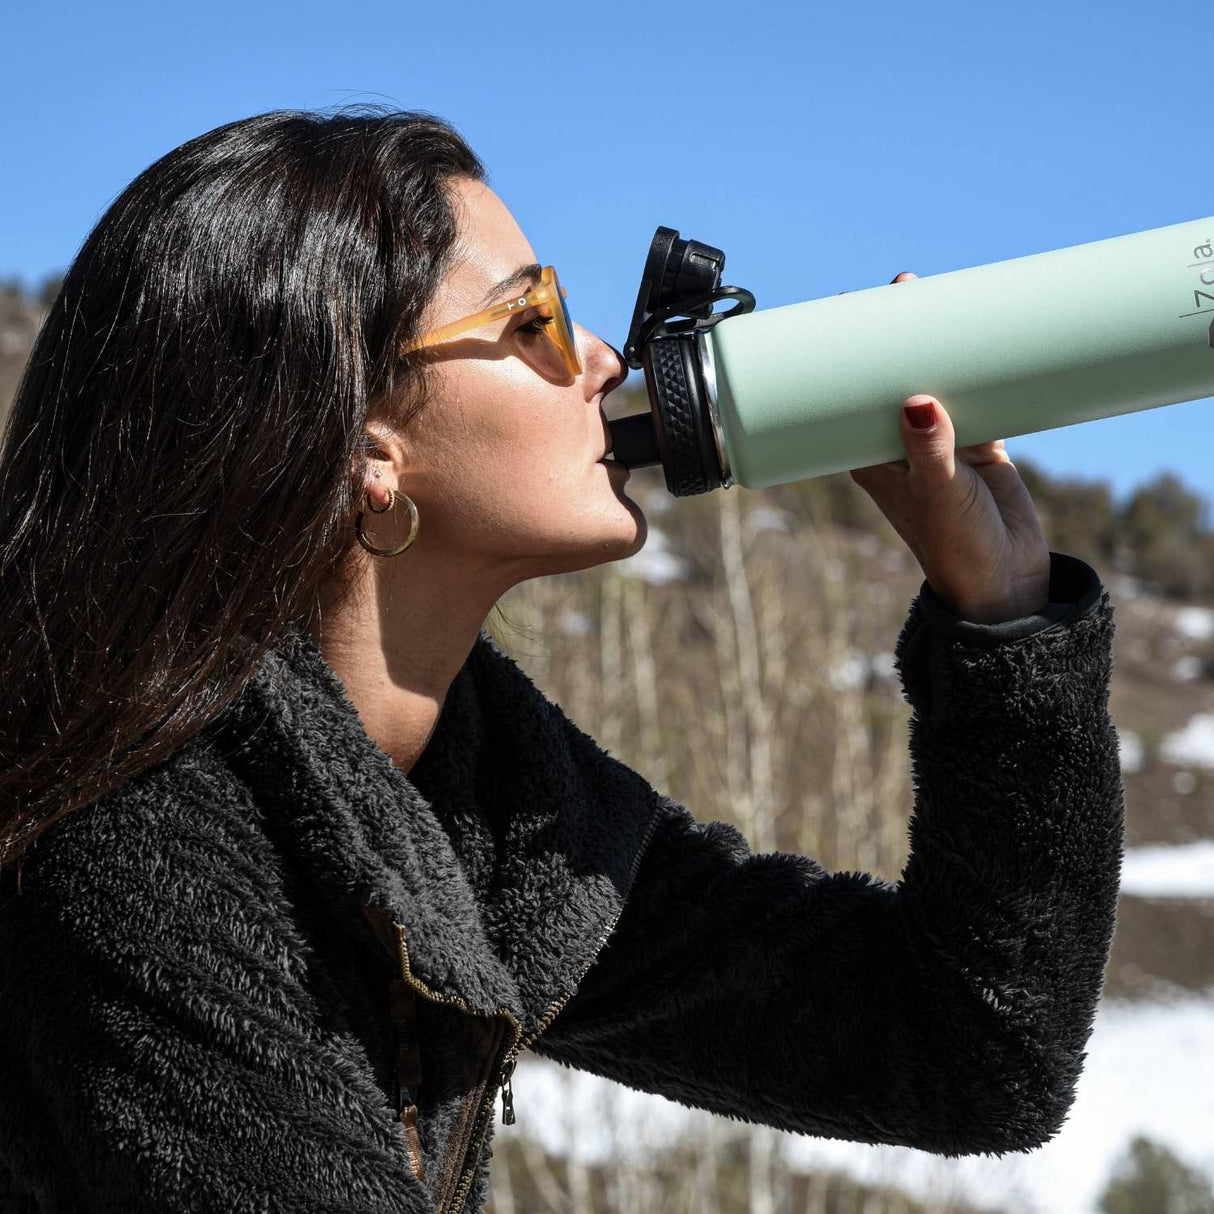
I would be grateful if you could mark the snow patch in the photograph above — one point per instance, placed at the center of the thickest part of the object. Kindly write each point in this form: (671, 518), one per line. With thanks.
(655, 562)
(1131, 750)
(1148, 1071)
(858, 669)
(1194, 623)
(575, 623)
(1192, 746)
(768, 518)
(1170, 871)
(1186, 669)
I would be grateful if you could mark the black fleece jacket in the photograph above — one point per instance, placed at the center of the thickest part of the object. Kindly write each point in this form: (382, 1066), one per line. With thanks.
(200, 973)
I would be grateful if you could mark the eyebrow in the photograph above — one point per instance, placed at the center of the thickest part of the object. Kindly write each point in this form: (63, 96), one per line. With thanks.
(523, 276)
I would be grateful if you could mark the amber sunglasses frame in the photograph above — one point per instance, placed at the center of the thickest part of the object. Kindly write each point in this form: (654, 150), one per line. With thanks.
(545, 297)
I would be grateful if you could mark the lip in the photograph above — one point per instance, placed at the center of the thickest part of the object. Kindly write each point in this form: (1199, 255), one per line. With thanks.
(613, 463)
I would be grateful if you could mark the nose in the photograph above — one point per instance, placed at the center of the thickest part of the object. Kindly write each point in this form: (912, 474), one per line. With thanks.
(604, 368)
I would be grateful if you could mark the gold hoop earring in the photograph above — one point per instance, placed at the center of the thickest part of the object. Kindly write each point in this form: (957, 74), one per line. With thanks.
(414, 525)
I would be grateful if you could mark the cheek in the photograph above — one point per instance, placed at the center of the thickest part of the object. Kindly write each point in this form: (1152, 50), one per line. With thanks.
(516, 427)
(509, 452)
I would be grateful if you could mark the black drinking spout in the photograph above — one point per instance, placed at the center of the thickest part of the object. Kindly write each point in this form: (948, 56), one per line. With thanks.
(633, 440)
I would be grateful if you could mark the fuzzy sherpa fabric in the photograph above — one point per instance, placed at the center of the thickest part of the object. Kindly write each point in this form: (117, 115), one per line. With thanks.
(195, 975)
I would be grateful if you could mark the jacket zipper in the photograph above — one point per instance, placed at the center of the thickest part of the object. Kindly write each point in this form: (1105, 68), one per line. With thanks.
(419, 986)
(504, 1066)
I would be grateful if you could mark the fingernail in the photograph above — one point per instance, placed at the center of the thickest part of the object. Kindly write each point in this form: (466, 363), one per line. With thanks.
(921, 417)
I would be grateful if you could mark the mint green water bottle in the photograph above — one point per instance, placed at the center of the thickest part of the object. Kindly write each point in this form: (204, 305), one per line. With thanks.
(765, 397)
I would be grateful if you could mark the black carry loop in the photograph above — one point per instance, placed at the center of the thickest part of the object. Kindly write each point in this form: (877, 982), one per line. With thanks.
(682, 278)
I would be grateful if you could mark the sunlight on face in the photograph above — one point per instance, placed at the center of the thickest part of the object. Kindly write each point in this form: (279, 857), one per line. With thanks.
(503, 462)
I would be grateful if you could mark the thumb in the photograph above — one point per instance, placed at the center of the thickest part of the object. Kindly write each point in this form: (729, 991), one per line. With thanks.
(929, 439)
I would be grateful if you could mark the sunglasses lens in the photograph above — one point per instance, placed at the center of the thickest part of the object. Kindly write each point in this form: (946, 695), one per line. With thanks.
(568, 326)
(561, 357)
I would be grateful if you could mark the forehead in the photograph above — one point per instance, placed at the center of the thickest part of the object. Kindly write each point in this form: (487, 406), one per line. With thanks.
(490, 245)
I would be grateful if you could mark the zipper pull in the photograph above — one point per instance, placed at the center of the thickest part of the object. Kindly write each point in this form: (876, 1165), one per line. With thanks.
(507, 1094)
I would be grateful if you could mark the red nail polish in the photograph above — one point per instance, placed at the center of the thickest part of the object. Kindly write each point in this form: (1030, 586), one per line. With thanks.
(921, 417)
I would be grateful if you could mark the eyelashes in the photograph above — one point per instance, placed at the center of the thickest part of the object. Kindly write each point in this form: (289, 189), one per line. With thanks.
(533, 328)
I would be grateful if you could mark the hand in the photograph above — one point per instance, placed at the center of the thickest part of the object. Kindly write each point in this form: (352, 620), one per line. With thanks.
(965, 514)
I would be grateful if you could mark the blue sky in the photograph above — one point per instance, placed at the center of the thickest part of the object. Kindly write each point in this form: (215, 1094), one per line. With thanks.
(822, 147)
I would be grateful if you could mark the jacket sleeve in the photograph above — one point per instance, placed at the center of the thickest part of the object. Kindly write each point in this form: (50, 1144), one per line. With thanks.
(948, 1011)
(159, 1047)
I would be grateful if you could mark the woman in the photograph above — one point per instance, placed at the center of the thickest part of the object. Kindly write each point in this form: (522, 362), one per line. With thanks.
(297, 861)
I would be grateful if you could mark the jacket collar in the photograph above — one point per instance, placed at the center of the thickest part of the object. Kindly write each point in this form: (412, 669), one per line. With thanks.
(506, 852)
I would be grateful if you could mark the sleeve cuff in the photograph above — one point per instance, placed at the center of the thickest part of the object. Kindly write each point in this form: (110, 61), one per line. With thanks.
(1075, 590)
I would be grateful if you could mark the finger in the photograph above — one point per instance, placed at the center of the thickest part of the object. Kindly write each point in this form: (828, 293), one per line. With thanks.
(979, 454)
(877, 478)
(905, 276)
(1010, 493)
(927, 435)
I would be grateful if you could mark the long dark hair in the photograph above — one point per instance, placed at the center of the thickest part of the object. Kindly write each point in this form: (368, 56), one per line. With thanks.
(175, 475)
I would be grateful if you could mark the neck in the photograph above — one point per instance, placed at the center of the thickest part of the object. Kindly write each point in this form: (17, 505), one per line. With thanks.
(397, 651)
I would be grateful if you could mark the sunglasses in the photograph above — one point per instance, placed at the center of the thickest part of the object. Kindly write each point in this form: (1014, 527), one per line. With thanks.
(548, 298)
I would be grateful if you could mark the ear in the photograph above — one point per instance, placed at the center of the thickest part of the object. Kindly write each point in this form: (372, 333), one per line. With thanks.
(385, 450)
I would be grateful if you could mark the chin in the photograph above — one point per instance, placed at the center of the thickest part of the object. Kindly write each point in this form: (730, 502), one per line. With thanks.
(631, 539)
(614, 544)
(642, 531)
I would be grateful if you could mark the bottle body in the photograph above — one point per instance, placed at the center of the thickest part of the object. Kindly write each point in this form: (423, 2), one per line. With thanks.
(1012, 347)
